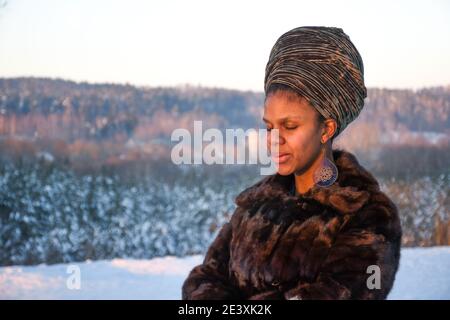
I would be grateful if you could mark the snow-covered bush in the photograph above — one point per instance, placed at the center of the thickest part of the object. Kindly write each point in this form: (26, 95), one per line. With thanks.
(51, 214)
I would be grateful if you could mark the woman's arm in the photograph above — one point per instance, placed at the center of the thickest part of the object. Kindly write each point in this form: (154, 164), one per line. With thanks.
(210, 280)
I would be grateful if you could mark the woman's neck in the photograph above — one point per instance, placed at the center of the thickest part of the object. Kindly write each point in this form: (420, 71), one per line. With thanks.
(305, 180)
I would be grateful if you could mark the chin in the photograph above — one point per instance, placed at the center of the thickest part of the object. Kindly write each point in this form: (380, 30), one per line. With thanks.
(284, 170)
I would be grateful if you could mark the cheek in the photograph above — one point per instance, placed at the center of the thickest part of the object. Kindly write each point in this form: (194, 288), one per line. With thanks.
(297, 141)
(303, 143)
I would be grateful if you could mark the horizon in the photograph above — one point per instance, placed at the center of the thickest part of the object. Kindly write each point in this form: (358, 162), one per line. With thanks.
(199, 86)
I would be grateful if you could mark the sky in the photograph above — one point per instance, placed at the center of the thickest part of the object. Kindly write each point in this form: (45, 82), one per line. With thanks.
(404, 44)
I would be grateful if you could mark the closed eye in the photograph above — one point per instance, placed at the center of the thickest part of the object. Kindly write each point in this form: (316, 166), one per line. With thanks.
(286, 127)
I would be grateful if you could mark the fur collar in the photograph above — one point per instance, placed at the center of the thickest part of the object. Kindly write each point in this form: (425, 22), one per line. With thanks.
(347, 195)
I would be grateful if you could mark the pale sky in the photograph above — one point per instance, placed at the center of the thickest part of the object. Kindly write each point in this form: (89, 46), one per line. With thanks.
(404, 44)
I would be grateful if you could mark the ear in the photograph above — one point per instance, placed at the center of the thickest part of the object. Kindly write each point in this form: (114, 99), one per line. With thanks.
(329, 129)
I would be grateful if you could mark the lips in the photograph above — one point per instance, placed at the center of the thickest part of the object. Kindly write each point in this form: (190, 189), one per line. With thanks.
(281, 157)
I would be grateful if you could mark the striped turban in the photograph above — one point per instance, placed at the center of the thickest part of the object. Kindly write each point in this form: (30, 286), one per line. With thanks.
(323, 66)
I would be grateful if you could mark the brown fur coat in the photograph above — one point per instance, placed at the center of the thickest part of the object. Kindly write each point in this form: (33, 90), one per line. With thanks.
(317, 246)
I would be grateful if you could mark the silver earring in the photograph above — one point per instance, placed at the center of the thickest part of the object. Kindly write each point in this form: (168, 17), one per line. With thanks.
(326, 174)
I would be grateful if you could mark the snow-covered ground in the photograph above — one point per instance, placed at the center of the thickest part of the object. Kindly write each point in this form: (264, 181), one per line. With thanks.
(424, 274)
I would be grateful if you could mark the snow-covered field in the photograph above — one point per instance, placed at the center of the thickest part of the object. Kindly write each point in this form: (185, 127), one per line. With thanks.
(424, 274)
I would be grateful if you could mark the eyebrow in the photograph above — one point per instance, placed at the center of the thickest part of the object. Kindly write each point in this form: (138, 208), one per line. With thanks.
(285, 119)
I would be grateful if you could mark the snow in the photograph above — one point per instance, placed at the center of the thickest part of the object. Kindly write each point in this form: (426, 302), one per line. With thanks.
(424, 274)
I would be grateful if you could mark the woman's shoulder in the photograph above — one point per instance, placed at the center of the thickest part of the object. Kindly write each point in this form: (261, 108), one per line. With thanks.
(377, 210)
(380, 215)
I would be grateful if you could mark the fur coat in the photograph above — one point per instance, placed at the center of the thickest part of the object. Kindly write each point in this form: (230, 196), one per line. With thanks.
(329, 243)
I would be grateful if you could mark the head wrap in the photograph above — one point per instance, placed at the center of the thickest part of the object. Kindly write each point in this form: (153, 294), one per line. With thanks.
(322, 65)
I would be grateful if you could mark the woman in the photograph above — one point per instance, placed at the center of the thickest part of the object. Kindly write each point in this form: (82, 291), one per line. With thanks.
(320, 228)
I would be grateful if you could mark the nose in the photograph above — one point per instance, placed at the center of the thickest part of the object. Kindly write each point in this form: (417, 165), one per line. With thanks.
(274, 139)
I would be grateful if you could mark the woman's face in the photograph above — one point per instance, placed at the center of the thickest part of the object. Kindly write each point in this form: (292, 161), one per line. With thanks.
(299, 131)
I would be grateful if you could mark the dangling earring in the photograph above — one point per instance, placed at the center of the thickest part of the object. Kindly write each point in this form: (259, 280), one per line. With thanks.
(326, 174)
